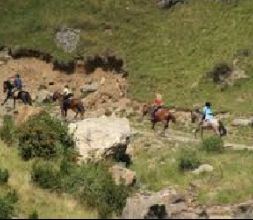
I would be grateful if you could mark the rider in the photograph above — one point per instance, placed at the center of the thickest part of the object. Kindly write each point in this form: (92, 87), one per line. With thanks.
(67, 94)
(207, 112)
(18, 84)
(157, 104)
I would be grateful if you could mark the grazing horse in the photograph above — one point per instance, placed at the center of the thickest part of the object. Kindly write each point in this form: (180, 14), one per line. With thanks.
(215, 124)
(75, 105)
(161, 115)
(22, 95)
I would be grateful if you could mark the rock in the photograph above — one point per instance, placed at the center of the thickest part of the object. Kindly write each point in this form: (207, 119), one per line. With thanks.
(88, 88)
(242, 122)
(123, 175)
(25, 112)
(99, 138)
(67, 39)
(205, 168)
(168, 3)
(43, 96)
(155, 206)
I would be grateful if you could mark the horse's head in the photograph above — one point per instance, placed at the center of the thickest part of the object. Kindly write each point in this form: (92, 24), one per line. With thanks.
(6, 85)
(145, 110)
(56, 96)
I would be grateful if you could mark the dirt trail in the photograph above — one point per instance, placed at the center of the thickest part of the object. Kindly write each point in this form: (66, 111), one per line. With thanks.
(179, 136)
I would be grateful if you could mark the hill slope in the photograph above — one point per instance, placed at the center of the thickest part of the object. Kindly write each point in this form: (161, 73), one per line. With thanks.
(165, 50)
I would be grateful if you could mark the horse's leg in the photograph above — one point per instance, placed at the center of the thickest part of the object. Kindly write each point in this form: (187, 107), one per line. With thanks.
(166, 126)
(196, 131)
(153, 125)
(202, 131)
(6, 99)
(14, 102)
(76, 113)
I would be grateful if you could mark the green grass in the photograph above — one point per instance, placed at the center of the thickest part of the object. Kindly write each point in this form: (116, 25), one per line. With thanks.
(165, 50)
(231, 181)
(48, 204)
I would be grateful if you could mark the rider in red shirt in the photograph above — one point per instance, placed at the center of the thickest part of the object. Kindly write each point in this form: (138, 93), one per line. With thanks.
(157, 104)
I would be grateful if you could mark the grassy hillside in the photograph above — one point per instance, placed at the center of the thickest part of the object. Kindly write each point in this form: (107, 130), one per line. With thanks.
(47, 204)
(165, 50)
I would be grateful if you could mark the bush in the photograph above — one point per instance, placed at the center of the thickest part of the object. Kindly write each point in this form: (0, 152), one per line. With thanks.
(34, 215)
(220, 72)
(188, 160)
(7, 205)
(94, 186)
(45, 175)
(213, 144)
(8, 130)
(44, 136)
(4, 176)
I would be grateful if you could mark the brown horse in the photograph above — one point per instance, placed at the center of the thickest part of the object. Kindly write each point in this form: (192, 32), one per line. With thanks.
(74, 104)
(161, 115)
(215, 124)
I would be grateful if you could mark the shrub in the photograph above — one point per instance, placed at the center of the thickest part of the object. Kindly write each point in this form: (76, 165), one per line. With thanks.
(213, 144)
(95, 187)
(8, 130)
(4, 176)
(7, 205)
(34, 215)
(45, 175)
(44, 136)
(188, 160)
(220, 72)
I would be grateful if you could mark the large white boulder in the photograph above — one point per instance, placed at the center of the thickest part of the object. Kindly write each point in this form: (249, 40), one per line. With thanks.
(100, 138)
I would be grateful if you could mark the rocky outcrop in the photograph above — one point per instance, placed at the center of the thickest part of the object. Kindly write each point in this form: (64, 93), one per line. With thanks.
(67, 39)
(162, 205)
(89, 88)
(43, 96)
(100, 138)
(205, 168)
(242, 122)
(122, 175)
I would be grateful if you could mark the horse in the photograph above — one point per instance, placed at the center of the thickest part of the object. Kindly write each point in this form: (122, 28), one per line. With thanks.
(22, 95)
(163, 114)
(216, 125)
(74, 104)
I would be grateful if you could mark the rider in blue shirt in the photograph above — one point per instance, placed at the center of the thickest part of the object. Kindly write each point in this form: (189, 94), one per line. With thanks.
(207, 112)
(18, 82)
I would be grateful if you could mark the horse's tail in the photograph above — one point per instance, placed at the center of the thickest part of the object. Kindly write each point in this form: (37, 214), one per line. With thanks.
(222, 129)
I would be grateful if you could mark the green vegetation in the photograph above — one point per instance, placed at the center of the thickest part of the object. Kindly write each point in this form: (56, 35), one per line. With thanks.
(47, 204)
(8, 130)
(4, 176)
(213, 144)
(90, 183)
(44, 136)
(156, 164)
(188, 160)
(166, 50)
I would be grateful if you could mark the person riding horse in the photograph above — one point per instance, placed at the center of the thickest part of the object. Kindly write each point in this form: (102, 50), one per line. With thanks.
(157, 104)
(15, 90)
(205, 120)
(67, 95)
(208, 114)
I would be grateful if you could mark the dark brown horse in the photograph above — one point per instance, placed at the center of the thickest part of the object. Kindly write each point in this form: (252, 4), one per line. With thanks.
(74, 104)
(22, 95)
(163, 115)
